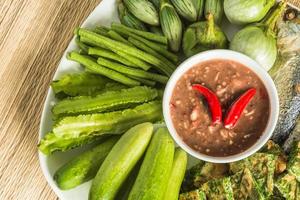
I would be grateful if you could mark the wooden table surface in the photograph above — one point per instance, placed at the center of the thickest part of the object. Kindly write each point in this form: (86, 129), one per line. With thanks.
(33, 36)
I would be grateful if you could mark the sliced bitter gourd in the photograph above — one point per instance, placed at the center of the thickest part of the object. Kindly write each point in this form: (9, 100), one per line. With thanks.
(81, 84)
(108, 101)
(108, 123)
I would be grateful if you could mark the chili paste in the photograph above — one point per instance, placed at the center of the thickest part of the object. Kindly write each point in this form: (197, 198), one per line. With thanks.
(192, 116)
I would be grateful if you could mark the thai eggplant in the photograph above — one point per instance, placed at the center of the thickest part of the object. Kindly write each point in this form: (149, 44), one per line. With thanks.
(214, 7)
(258, 41)
(186, 9)
(144, 10)
(199, 5)
(245, 12)
(203, 36)
(129, 19)
(171, 25)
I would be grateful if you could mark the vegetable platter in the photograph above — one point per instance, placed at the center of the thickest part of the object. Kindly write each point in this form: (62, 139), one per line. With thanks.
(102, 131)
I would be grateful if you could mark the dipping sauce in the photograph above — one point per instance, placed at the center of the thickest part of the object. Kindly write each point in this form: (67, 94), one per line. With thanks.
(191, 116)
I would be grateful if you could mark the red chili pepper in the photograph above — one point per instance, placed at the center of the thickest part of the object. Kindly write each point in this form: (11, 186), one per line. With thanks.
(236, 109)
(213, 102)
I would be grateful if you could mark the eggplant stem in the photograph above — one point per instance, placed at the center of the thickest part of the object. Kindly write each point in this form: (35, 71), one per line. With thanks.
(210, 25)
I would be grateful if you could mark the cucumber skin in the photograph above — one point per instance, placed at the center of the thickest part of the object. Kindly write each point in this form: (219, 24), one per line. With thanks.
(83, 167)
(120, 161)
(152, 180)
(177, 175)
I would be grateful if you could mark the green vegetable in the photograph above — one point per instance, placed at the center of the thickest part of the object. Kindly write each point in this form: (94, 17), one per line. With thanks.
(171, 25)
(193, 195)
(152, 180)
(218, 189)
(144, 10)
(81, 45)
(156, 3)
(110, 55)
(112, 44)
(82, 84)
(157, 47)
(108, 101)
(203, 36)
(294, 161)
(214, 7)
(102, 30)
(131, 71)
(186, 9)
(129, 19)
(177, 175)
(84, 167)
(245, 12)
(142, 80)
(95, 67)
(125, 189)
(107, 123)
(287, 186)
(147, 49)
(51, 143)
(156, 30)
(120, 161)
(258, 41)
(116, 36)
(199, 5)
(151, 38)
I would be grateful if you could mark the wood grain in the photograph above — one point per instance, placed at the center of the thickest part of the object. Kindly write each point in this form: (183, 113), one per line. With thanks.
(33, 36)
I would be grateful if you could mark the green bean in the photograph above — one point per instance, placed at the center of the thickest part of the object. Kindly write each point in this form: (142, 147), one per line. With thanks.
(153, 45)
(142, 80)
(147, 49)
(109, 43)
(116, 36)
(136, 61)
(127, 34)
(144, 34)
(81, 45)
(92, 65)
(134, 72)
(111, 55)
(156, 30)
(102, 30)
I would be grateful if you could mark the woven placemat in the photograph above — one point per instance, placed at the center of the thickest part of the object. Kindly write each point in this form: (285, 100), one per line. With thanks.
(294, 3)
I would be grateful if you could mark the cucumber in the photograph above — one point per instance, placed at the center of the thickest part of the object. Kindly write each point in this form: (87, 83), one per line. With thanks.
(83, 167)
(215, 7)
(177, 175)
(152, 180)
(120, 161)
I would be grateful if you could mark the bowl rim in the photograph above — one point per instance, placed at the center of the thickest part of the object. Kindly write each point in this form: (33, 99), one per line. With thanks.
(224, 55)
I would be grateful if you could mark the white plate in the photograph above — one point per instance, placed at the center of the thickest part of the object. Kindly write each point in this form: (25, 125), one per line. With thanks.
(104, 14)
